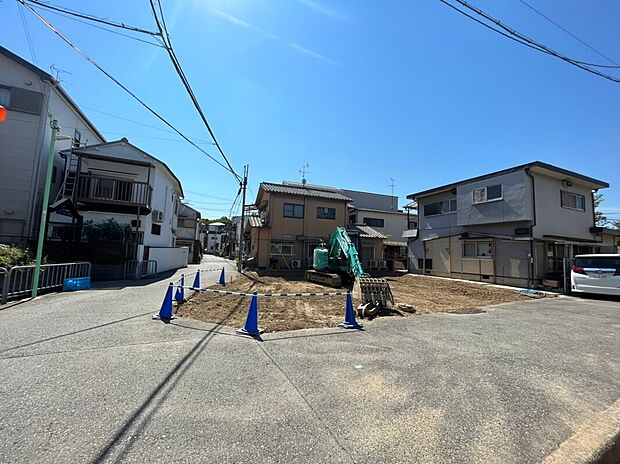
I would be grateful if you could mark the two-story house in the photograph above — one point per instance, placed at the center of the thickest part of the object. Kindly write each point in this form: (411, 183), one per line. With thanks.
(189, 231)
(293, 219)
(512, 227)
(117, 180)
(33, 98)
(217, 234)
(383, 226)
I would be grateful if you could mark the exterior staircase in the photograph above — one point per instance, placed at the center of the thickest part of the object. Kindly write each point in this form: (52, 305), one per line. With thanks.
(67, 190)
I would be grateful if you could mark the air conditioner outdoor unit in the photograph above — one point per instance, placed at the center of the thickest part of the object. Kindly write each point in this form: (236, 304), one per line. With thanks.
(158, 216)
(296, 263)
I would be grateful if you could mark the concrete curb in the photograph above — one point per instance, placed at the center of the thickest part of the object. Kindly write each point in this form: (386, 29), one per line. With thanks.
(596, 441)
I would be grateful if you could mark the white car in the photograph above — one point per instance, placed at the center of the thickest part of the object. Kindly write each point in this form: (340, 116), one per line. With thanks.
(596, 274)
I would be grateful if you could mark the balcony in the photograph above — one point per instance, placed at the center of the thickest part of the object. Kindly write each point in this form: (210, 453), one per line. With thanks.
(99, 193)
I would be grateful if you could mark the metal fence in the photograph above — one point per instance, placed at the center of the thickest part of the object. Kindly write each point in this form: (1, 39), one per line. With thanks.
(139, 269)
(18, 280)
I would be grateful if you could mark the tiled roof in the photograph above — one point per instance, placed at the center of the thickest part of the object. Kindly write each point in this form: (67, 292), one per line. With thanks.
(307, 191)
(255, 221)
(369, 232)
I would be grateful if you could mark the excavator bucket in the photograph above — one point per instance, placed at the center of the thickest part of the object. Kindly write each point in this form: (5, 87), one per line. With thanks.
(374, 293)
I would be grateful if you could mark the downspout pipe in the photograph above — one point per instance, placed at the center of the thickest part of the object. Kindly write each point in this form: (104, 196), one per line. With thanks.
(529, 174)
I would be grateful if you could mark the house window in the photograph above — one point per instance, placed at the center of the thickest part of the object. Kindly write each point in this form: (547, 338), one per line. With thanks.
(353, 219)
(325, 213)
(422, 265)
(486, 194)
(374, 222)
(293, 211)
(477, 250)
(5, 97)
(411, 224)
(282, 249)
(573, 200)
(156, 229)
(440, 207)
(368, 252)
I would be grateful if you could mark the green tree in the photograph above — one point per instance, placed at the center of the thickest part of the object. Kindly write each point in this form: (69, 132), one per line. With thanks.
(600, 220)
(223, 219)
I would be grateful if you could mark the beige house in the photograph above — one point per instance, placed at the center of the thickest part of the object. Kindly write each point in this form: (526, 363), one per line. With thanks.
(293, 219)
(516, 227)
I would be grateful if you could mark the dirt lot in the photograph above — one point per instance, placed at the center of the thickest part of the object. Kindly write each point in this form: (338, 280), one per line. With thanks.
(425, 294)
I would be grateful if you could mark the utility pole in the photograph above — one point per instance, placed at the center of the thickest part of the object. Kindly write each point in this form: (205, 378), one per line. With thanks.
(44, 207)
(244, 186)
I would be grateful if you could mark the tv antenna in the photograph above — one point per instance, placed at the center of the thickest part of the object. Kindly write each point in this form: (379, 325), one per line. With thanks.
(303, 171)
(392, 184)
(56, 70)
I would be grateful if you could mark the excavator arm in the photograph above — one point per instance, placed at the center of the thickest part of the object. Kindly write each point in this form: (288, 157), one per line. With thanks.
(340, 244)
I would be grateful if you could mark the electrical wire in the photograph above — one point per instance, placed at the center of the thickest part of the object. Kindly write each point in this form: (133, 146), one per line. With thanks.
(522, 39)
(159, 44)
(92, 18)
(198, 140)
(163, 32)
(574, 37)
(227, 200)
(146, 137)
(122, 86)
(28, 38)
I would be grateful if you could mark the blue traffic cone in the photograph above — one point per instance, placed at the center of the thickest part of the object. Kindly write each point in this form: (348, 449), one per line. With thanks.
(165, 313)
(251, 323)
(222, 278)
(349, 315)
(179, 296)
(196, 284)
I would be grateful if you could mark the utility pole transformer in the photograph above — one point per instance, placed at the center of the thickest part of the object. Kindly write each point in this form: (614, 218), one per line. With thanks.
(244, 186)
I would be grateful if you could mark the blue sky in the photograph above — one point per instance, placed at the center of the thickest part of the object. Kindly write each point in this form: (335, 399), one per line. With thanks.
(362, 91)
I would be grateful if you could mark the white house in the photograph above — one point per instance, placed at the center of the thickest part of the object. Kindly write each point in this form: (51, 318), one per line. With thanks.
(382, 227)
(189, 232)
(216, 232)
(119, 180)
(33, 98)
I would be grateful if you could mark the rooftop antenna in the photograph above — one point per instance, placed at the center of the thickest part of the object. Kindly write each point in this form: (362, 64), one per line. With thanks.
(55, 69)
(392, 184)
(303, 171)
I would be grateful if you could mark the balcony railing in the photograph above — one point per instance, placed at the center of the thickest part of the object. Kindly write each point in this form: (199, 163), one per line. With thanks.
(98, 189)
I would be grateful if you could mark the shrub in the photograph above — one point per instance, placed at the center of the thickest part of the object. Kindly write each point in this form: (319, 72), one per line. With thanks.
(11, 255)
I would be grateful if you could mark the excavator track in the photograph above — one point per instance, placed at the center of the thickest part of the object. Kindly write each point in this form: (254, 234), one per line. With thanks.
(323, 278)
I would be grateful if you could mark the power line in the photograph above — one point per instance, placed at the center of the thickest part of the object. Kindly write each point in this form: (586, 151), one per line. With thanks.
(523, 39)
(103, 28)
(163, 32)
(574, 37)
(146, 137)
(227, 200)
(92, 18)
(28, 39)
(198, 140)
(118, 83)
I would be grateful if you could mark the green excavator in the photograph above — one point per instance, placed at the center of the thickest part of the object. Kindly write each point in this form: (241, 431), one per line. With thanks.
(339, 259)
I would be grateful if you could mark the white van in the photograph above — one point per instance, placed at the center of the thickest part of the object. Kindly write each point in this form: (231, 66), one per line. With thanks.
(596, 274)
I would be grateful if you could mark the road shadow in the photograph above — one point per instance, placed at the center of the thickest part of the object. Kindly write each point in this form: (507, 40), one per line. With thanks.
(120, 284)
(595, 297)
(68, 334)
(123, 440)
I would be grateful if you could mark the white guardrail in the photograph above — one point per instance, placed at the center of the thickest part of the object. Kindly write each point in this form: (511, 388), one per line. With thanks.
(18, 280)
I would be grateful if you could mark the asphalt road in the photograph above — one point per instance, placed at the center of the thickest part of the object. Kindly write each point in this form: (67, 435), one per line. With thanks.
(89, 377)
